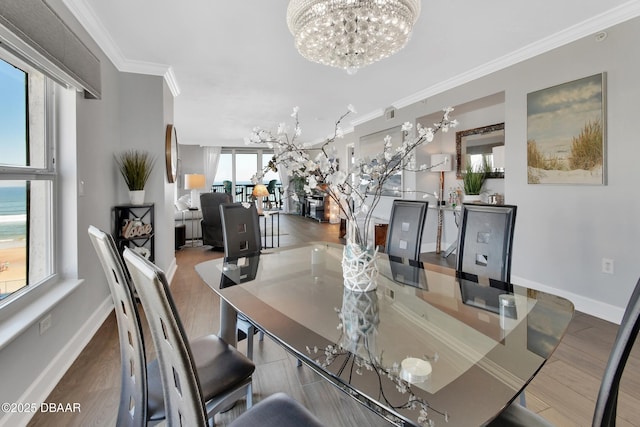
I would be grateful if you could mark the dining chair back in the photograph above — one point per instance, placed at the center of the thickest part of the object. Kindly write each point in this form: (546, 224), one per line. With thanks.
(242, 238)
(241, 229)
(199, 378)
(485, 239)
(182, 394)
(132, 410)
(404, 234)
(607, 401)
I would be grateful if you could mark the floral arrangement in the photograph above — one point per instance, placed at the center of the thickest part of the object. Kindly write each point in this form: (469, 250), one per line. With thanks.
(356, 191)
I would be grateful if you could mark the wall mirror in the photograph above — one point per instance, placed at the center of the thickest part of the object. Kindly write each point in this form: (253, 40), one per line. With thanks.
(479, 145)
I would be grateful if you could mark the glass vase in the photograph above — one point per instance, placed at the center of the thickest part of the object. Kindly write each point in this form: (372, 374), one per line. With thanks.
(359, 266)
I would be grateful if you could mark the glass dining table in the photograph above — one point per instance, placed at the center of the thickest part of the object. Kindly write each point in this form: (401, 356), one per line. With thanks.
(427, 347)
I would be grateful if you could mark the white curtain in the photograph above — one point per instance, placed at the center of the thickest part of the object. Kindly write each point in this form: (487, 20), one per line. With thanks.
(211, 159)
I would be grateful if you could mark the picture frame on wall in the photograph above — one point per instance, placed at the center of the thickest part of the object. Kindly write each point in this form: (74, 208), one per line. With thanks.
(370, 146)
(566, 133)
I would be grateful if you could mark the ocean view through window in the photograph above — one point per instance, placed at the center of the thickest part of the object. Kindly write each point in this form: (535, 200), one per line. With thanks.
(27, 177)
(13, 233)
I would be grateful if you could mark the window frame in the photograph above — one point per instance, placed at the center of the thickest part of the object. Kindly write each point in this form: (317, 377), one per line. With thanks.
(48, 173)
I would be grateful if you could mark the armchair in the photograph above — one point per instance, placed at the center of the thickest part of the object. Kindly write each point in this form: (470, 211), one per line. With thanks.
(211, 223)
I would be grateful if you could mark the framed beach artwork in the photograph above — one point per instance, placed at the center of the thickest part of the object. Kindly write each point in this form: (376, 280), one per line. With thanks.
(566, 133)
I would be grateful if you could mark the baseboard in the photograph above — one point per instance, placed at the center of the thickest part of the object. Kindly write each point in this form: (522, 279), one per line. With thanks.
(53, 373)
(588, 306)
(171, 270)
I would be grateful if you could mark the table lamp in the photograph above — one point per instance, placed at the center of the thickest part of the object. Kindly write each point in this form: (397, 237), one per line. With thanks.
(260, 191)
(194, 182)
(440, 163)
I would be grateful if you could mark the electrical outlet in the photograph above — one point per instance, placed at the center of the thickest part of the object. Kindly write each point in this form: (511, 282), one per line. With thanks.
(607, 265)
(45, 323)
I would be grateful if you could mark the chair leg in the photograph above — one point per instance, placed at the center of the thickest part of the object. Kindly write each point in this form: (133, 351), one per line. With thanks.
(523, 400)
(250, 333)
(249, 396)
(261, 337)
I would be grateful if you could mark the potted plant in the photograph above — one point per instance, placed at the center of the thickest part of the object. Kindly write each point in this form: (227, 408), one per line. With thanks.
(473, 180)
(135, 166)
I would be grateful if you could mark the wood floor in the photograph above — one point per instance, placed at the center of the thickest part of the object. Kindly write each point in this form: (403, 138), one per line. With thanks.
(564, 391)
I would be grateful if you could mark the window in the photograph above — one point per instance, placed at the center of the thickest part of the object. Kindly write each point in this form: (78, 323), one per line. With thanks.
(238, 166)
(27, 177)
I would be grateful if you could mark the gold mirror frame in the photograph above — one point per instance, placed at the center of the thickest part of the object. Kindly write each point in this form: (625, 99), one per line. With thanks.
(171, 153)
(459, 143)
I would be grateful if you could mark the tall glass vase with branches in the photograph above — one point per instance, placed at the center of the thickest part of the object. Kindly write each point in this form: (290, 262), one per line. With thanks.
(356, 191)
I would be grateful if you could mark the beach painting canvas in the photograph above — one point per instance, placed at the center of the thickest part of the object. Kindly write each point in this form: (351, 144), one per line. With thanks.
(566, 133)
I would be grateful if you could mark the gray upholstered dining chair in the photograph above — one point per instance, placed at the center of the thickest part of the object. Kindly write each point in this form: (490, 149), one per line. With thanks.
(222, 374)
(140, 390)
(184, 379)
(241, 229)
(404, 234)
(485, 239)
(277, 410)
(607, 402)
(211, 224)
(141, 393)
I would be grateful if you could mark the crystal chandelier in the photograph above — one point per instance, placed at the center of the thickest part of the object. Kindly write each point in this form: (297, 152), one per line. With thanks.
(350, 34)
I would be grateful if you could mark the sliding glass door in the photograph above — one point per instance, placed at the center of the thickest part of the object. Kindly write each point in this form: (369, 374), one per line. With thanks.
(235, 169)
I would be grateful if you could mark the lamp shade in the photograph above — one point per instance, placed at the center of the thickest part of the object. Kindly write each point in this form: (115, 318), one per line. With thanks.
(260, 190)
(498, 157)
(194, 181)
(440, 163)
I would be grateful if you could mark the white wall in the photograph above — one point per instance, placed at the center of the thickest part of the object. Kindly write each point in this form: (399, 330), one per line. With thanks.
(562, 231)
(133, 112)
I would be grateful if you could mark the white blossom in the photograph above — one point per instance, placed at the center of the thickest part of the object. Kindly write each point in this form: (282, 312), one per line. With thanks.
(356, 197)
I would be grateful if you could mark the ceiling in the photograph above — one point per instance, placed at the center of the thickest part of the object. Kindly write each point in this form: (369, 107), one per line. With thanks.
(233, 64)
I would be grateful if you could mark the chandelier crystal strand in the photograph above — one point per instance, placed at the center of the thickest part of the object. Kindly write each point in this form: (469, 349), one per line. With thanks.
(351, 34)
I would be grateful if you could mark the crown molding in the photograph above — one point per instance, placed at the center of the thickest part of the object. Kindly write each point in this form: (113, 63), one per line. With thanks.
(612, 17)
(367, 117)
(92, 24)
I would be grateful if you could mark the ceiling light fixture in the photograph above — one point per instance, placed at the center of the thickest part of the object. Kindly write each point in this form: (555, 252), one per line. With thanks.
(351, 34)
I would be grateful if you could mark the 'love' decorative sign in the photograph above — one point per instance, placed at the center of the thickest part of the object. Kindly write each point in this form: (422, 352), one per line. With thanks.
(135, 228)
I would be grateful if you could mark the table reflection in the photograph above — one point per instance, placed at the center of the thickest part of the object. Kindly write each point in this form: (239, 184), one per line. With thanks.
(356, 355)
(236, 270)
